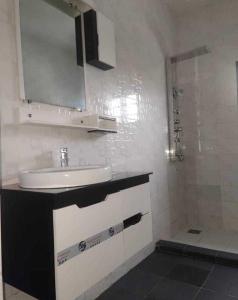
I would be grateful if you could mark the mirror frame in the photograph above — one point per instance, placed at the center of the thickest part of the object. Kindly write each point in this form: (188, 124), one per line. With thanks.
(63, 6)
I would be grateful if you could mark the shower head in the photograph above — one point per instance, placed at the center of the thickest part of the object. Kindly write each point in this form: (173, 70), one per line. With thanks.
(190, 54)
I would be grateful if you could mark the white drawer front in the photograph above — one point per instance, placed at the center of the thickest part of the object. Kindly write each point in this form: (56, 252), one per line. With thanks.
(138, 236)
(135, 200)
(83, 271)
(73, 224)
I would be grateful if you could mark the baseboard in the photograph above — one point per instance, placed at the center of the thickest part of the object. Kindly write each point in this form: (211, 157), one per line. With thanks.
(215, 256)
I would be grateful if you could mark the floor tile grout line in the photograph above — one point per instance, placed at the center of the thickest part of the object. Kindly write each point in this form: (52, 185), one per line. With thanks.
(194, 259)
(214, 291)
(210, 273)
(205, 281)
(153, 288)
(165, 277)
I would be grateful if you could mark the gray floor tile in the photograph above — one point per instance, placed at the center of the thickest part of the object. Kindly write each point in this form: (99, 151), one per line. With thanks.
(137, 282)
(211, 295)
(168, 289)
(158, 263)
(189, 274)
(224, 280)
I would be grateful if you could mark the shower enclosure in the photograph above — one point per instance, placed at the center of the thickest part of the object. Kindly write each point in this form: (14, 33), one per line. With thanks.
(175, 97)
(203, 127)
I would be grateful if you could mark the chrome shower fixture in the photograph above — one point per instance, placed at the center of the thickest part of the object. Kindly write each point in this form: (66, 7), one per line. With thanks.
(190, 54)
(179, 155)
(174, 94)
(177, 128)
(177, 92)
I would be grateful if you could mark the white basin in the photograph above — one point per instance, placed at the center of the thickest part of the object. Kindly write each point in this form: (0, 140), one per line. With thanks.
(64, 177)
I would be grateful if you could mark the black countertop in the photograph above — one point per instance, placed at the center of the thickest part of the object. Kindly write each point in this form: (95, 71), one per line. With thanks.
(82, 196)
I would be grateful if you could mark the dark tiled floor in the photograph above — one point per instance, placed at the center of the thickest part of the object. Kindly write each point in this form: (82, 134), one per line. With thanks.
(170, 277)
(224, 280)
(189, 274)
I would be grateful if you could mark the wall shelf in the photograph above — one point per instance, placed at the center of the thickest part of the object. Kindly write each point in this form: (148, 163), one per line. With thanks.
(43, 115)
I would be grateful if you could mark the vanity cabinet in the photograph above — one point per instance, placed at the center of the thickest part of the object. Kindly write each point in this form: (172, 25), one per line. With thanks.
(58, 244)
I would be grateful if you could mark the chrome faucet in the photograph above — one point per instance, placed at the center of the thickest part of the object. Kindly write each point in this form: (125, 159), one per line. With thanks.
(64, 159)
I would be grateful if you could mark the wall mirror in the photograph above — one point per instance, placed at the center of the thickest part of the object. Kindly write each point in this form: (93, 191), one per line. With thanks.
(52, 53)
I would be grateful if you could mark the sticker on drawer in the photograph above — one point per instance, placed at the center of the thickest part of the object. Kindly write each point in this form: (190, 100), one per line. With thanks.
(85, 245)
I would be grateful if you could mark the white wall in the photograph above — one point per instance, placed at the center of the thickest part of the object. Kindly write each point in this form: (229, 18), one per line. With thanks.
(134, 92)
(210, 115)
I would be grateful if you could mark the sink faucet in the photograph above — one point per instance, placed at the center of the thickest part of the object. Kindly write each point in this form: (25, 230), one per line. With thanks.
(64, 159)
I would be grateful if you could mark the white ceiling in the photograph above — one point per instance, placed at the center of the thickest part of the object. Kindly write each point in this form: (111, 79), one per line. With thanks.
(179, 7)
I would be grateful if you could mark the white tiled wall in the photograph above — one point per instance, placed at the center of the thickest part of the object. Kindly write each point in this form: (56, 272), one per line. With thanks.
(210, 115)
(134, 92)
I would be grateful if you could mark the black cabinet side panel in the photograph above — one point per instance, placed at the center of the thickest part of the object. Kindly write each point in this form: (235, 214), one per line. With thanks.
(28, 243)
(91, 35)
(79, 42)
(91, 41)
(100, 65)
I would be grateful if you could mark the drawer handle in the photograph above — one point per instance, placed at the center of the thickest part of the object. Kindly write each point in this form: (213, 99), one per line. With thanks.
(132, 220)
(91, 200)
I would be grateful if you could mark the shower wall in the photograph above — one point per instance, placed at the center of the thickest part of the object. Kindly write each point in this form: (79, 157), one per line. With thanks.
(209, 115)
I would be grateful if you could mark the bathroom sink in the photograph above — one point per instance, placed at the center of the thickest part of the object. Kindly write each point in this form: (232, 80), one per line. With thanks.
(64, 177)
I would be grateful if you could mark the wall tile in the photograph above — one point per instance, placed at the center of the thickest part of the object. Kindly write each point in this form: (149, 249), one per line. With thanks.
(134, 92)
(210, 115)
